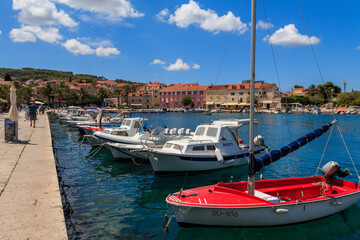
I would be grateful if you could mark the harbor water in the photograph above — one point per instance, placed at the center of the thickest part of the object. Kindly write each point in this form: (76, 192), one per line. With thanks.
(126, 200)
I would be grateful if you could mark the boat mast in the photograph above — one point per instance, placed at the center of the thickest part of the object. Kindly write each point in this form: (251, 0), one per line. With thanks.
(251, 183)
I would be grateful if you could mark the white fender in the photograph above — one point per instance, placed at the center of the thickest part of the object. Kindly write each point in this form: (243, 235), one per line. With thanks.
(218, 155)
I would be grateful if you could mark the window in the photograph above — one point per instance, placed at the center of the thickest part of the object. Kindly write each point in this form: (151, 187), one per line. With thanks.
(201, 92)
(211, 98)
(172, 99)
(178, 147)
(211, 132)
(183, 93)
(120, 133)
(200, 131)
(226, 135)
(136, 124)
(199, 148)
(210, 147)
(162, 99)
(167, 145)
(232, 94)
(195, 92)
(175, 93)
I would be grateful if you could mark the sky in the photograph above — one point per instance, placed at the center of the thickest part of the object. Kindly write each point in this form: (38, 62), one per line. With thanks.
(185, 41)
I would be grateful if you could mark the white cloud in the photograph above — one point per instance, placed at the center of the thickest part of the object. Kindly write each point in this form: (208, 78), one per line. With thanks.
(105, 52)
(208, 20)
(76, 47)
(157, 61)
(19, 35)
(41, 12)
(358, 48)
(263, 25)
(290, 36)
(30, 33)
(111, 8)
(0, 32)
(196, 66)
(162, 14)
(179, 65)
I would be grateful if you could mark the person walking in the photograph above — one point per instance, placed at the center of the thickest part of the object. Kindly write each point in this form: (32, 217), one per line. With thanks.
(32, 113)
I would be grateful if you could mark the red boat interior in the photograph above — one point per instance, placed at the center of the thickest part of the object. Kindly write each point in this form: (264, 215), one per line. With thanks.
(295, 189)
(268, 192)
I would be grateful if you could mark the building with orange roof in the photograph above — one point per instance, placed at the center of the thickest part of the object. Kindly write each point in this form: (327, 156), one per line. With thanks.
(298, 91)
(9, 83)
(170, 96)
(153, 89)
(237, 95)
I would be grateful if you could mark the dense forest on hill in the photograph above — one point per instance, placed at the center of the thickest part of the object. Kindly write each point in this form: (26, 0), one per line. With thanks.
(25, 74)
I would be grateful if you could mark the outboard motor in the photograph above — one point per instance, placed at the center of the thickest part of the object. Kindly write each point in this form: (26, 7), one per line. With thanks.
(332, 170)
(259, 141)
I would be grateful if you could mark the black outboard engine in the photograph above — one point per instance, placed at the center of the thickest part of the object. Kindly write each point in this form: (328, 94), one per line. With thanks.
(332, 170)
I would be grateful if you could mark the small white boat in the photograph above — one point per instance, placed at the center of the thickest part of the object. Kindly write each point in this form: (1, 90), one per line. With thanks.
(213, 146)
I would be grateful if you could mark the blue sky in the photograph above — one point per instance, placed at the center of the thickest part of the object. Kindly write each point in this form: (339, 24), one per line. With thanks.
(183, 41)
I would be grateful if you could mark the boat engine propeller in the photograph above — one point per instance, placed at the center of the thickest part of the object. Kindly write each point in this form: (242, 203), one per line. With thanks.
(332, 170)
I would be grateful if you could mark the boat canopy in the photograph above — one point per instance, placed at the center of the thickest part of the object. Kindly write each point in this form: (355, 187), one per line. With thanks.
(282, 152)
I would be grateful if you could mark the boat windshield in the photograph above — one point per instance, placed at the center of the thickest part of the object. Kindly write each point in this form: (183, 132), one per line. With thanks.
(200, 131)
(211, 132)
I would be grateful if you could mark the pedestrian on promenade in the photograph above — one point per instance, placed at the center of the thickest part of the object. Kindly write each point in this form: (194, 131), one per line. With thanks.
(32, 113)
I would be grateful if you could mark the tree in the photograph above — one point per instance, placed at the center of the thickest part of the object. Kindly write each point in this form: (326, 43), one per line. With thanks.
(117, 93)
(186, 101)
(84, 95)
(312, 91)
(7, 77)
(298, 86)
(47, 91)
(349, 98)
(328, 91)
(103, 93)
(24, 94)
(5, 92)
(256, 100)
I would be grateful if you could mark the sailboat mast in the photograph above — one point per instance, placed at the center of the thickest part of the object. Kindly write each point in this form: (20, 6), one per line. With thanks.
(251, 182)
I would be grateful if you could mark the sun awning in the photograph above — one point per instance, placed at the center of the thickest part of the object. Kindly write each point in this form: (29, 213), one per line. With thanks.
(136, 104)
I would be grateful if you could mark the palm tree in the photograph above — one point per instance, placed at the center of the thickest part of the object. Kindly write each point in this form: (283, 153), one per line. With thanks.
(47, 91)
(84, 95)
(103, 93)
(312, 91)
(118, 92)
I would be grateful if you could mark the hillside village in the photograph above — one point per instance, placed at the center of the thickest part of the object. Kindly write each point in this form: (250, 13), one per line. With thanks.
(152, 95)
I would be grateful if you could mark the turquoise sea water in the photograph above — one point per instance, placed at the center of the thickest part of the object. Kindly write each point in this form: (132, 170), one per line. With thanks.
(119, 200)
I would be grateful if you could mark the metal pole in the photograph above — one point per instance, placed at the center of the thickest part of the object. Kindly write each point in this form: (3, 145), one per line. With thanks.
(251, 184)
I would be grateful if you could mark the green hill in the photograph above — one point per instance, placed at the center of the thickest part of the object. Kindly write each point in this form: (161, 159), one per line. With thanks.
(25, 74)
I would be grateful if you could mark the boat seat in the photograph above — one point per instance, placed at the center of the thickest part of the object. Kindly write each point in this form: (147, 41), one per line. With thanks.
(268, 197)
(181, 131)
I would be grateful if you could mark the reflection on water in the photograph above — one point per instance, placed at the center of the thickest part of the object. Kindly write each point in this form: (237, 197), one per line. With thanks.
(119, 200)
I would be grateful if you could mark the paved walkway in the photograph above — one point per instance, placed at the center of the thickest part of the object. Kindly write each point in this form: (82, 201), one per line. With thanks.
(30, 202)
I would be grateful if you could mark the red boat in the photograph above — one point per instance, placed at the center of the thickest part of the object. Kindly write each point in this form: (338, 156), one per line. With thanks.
(274, 202)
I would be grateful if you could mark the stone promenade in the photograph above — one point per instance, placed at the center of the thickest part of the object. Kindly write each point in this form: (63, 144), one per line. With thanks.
(30, 202)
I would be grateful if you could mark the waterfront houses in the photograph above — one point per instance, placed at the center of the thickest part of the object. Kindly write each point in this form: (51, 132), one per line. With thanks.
(170, 96)
(237, 95)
